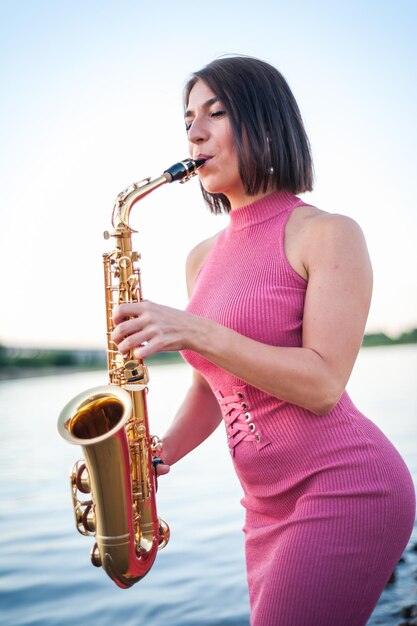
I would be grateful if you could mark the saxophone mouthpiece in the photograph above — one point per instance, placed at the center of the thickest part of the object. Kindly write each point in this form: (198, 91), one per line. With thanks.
(184, 170)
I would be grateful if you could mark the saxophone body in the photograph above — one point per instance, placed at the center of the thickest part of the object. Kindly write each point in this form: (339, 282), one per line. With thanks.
(114, 488)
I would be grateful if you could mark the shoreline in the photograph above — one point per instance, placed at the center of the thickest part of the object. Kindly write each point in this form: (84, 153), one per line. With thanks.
(18, 372)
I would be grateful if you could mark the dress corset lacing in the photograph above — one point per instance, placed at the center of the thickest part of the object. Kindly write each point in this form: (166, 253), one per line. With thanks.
(238, 420)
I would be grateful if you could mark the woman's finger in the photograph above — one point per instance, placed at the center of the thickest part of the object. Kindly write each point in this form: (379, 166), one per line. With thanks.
(126, 310)
(130, 342)
(162, 468)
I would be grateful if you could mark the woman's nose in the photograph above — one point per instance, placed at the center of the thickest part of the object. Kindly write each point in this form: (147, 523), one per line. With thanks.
(198, 131)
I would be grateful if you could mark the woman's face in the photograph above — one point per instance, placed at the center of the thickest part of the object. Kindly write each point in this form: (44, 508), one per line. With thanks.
(210, 137)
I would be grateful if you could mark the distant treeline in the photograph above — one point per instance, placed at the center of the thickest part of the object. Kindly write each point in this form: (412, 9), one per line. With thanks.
(14, 360)
(381, 339)
(45, 358)
(18, 361)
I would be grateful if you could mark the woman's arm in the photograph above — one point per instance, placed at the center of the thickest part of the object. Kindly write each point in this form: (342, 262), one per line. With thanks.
(335, 312)
(334, 254)
(198, 416)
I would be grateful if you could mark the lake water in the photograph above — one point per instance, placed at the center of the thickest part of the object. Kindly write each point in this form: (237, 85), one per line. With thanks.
(199, 579)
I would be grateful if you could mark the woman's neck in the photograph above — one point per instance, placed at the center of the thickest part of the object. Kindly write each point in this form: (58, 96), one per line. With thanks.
(242, 199)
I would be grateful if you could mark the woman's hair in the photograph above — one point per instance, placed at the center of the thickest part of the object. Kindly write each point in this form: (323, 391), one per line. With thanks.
(265, 117)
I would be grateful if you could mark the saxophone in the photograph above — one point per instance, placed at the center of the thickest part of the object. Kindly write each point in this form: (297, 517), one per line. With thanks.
(111, 424)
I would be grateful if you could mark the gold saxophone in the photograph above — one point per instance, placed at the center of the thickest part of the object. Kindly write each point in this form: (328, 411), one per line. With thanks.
(110, 422)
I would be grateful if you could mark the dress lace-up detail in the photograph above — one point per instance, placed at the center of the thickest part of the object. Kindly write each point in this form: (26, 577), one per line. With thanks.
(238, 420)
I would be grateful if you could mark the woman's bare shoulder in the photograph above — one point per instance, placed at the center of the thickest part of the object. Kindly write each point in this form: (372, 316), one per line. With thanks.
(321, 226)
(310, 230)
(309, 217)
(196, 258)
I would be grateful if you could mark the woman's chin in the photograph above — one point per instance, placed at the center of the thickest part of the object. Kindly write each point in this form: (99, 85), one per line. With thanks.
(210, 188)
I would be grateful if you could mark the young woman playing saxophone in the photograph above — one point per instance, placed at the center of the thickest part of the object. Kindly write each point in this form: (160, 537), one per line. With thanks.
(278, 305)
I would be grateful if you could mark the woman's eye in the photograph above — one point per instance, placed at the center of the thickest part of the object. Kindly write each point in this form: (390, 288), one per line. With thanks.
(216, 114)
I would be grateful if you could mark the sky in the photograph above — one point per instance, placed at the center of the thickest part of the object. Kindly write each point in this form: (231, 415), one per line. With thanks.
(91, 102)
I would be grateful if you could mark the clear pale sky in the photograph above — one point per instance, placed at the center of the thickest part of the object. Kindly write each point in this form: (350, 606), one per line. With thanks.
(91, 101)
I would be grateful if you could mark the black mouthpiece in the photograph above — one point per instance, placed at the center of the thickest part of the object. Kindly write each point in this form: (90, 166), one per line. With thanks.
(184, 169)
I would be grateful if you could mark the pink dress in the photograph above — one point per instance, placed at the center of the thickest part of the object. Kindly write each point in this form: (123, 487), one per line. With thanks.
(329, 502)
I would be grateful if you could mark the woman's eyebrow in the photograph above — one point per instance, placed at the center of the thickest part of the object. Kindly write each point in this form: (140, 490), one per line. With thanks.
(206, 105)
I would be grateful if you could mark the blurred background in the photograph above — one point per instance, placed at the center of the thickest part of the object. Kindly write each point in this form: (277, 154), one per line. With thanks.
(91, 102)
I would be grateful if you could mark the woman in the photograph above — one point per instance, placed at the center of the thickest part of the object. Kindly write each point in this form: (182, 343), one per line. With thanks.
(278, 305)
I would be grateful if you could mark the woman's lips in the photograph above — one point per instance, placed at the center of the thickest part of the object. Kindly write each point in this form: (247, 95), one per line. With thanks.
(205, 157)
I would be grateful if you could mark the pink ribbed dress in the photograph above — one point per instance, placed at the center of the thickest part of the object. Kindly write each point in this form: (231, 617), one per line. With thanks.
(329, 502)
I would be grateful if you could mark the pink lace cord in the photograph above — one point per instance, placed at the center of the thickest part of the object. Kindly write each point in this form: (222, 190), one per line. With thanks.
(239, 424)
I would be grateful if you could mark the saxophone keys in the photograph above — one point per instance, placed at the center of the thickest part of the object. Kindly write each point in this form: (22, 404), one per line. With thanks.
(164, 534)
(133, 281)
(95, 556)
(136, 372)
(82, 479)
(88, 518)
(156, 446)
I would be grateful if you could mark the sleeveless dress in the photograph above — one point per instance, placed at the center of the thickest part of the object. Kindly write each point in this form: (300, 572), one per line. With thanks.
(329, 502)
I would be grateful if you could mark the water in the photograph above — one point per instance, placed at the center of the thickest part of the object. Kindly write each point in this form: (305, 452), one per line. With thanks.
(199, 579)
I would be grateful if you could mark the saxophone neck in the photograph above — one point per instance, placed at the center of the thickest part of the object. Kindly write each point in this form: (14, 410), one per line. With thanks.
(182, 171)
(128, 197)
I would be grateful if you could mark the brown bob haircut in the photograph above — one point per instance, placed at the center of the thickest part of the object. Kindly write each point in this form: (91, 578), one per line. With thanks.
(263, 115)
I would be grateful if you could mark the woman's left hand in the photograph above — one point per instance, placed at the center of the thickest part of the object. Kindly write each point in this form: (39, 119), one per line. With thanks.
(148, 328)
